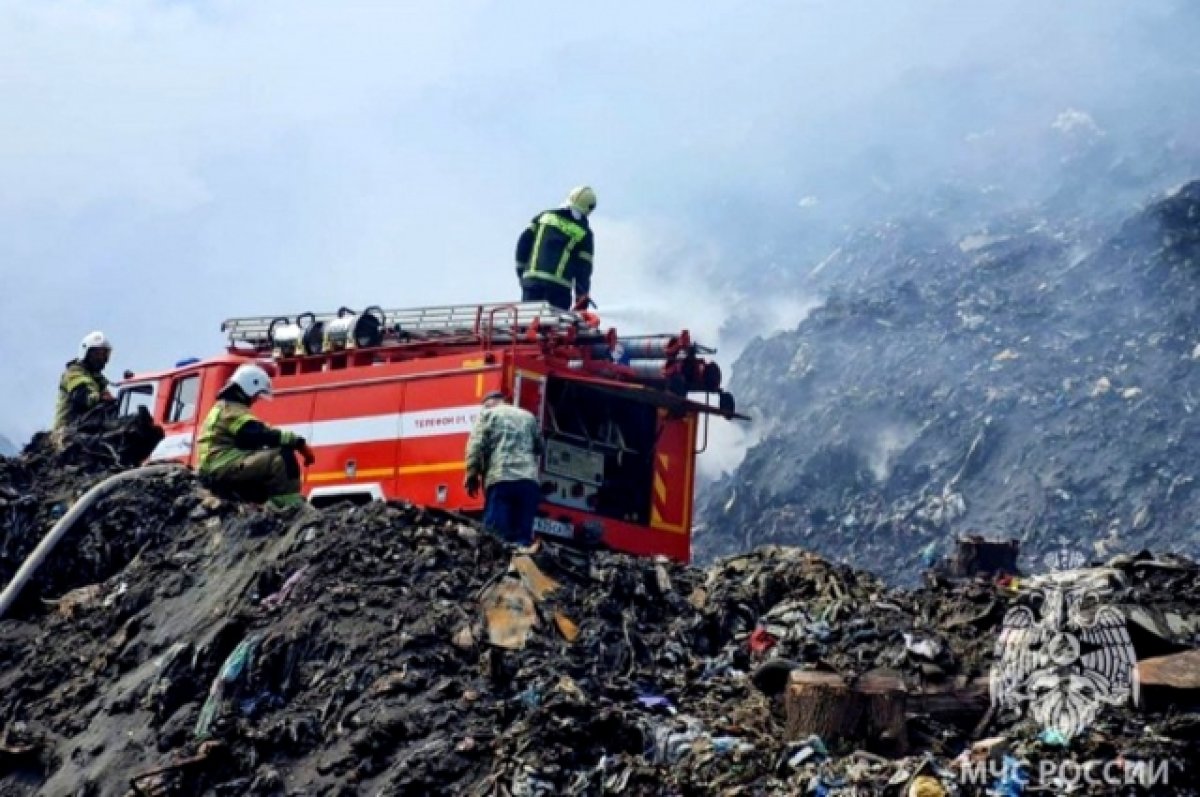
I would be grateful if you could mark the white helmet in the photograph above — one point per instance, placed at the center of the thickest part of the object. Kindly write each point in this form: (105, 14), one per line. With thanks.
(93, 340)
(583, 199)
(253, 381)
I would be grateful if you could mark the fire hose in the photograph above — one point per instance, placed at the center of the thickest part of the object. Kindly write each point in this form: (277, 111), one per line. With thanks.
(34, 561)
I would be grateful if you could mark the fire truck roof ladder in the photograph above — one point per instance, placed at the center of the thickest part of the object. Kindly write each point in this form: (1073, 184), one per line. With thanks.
(420, 323)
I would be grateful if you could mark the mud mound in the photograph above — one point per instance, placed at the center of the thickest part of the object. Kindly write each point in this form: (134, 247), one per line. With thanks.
(1032, 378)
(387, 649)
(38, 487)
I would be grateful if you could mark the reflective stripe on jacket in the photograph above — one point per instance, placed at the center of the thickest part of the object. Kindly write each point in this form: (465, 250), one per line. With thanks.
(77, 377)
(557, 248)
(216, 448)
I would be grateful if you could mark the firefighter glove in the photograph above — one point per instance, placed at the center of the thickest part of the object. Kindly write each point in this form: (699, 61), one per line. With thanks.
(472, 485)
(306, 453)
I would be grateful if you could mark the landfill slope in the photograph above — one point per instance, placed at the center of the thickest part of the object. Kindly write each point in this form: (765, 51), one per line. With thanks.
(190, 645)
(1034, 377)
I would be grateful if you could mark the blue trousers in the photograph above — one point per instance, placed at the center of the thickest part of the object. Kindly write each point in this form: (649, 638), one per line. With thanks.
(510, 508)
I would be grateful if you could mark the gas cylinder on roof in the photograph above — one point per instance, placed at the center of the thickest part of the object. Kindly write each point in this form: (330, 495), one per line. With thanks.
(355, 330)
(291, 339)
(285, 337)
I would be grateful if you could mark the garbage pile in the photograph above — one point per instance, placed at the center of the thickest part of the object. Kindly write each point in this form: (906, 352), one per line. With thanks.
(387, 649)
(37, 488)
(1033, 378)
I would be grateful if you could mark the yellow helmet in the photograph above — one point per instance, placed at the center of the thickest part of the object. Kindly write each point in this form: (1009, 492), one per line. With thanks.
(582, 199)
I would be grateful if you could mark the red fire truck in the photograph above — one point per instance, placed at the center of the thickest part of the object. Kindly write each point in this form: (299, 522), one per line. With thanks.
(386, 399)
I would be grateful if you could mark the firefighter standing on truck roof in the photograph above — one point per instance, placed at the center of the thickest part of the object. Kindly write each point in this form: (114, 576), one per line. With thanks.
(240, 454)
(503, 452)
(554, 253)
(83, 386)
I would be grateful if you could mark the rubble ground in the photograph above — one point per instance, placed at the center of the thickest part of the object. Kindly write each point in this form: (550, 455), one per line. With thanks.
(1029, 376)
(176, 643)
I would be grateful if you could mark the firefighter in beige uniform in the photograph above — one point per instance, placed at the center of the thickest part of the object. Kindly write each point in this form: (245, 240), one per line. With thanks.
(241, 454)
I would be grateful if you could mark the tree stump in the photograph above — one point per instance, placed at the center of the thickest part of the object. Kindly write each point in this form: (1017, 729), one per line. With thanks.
(886, 705)
(820, 703)
(872, 710)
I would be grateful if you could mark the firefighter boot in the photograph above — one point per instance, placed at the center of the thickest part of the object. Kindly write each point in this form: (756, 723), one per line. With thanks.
(285, 501)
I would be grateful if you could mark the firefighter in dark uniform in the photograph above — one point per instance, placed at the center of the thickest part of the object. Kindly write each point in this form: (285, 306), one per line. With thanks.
(554, 253)
(83, 386)
(239, 454)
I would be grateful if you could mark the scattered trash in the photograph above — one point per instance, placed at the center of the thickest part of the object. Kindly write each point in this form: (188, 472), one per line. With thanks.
(566, 626)
(538, 583)
(251, 707)
(655, 701)
(233, 668)
(926, 786)
(531, 697)
(275, 600)
(761, 641)
(1053, 737)
(1013, 779)
(78, 600)
(805, 750)
(925, 648)
(399, 655)
(730, 744)
(668, 745)
(464, 639)
(511, 614)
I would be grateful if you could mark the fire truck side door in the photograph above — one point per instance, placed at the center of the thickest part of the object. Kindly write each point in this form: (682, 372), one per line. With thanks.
(674, 480)
(180, 418)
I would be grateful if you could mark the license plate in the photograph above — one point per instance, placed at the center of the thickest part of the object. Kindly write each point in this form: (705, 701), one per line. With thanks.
(553, 528)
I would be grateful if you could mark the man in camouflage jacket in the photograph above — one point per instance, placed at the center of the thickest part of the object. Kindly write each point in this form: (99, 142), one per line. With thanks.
(503, 455)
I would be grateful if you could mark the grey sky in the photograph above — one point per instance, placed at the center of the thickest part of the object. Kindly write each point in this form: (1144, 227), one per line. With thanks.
(164, 165)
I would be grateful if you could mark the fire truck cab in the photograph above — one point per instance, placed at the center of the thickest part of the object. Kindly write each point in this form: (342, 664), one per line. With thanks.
(387, 399)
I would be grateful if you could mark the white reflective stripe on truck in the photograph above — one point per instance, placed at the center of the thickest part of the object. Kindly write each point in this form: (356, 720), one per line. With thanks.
(390, 426)
(173, 446)
(348, 431)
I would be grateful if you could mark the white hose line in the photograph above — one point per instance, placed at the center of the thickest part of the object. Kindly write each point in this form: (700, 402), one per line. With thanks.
(64, 524)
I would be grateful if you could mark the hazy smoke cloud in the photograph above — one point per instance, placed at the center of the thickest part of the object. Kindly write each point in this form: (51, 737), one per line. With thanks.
(168, 164)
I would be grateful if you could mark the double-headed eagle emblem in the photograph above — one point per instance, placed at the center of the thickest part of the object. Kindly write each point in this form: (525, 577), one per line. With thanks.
(1064, 653)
